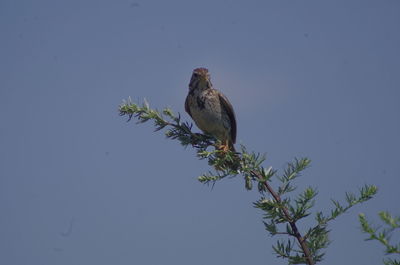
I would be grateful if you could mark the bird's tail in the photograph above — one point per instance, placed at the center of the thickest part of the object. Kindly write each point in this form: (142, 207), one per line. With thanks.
(232, 147)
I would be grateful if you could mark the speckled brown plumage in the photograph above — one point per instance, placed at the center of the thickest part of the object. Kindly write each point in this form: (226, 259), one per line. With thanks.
(210, 109)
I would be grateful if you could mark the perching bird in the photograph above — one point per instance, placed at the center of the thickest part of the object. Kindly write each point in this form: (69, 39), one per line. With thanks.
(211, 110)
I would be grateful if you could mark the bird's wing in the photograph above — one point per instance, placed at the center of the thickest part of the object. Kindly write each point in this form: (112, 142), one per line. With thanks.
(226, 105)
(187, 108)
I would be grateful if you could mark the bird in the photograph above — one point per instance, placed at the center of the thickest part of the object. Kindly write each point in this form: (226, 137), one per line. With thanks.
(211, 110)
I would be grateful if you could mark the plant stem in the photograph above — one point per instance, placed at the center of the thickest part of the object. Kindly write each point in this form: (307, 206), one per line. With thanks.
(291, 222)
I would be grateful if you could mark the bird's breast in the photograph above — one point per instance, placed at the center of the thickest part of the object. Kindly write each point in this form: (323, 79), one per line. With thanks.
(207, 113)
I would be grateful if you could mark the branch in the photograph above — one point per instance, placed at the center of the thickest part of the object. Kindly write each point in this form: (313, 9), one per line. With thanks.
(289, 219)
(277, 211)
(383, 235)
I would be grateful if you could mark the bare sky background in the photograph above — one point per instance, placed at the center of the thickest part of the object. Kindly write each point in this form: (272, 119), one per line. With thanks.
(79, 185)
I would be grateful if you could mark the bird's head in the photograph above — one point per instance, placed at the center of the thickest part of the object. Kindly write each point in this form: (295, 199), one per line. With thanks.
(200, 79)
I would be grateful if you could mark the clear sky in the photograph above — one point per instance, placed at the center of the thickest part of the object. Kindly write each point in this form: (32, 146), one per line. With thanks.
(79, 185)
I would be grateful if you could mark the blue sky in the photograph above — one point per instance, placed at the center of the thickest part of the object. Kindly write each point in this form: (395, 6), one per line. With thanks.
(80, 185)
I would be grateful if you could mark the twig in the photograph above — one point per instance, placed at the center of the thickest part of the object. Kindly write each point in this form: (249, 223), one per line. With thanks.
(292, 223)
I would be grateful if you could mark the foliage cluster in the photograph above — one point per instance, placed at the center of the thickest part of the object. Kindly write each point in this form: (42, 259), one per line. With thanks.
(383, 234)
(281, 208)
